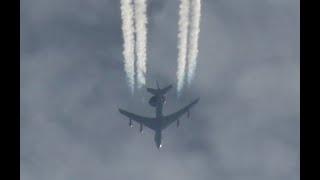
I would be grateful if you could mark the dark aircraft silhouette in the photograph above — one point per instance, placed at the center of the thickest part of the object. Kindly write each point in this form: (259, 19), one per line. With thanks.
(160, 122)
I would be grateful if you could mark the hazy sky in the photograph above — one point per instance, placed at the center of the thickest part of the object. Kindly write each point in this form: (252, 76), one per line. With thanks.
(245, 127)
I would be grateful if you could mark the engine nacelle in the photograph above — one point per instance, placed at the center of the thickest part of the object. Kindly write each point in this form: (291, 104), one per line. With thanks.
(178, 123)
(130, 123)
(141, 128)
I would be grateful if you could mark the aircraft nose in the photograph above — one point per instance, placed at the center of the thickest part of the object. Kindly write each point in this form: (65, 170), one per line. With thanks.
(159, 146)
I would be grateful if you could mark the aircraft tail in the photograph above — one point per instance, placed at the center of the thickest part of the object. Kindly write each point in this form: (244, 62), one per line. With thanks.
(159, 91)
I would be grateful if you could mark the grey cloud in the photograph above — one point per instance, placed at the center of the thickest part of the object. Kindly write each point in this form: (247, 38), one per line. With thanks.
(246, 125)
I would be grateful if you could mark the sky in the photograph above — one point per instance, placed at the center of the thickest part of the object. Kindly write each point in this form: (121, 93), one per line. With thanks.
(246, 125)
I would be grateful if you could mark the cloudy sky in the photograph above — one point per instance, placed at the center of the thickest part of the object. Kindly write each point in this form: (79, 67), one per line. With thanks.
(245, 127)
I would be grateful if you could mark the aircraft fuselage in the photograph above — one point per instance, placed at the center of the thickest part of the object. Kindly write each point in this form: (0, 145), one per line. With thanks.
(157, 101)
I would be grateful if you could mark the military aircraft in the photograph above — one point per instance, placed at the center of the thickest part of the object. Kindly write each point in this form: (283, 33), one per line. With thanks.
(160, 122)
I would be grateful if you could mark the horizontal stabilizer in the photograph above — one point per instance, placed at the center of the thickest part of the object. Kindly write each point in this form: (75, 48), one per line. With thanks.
(159, 91)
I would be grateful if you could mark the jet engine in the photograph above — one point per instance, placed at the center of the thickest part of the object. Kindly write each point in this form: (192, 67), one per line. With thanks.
(130, 123)
(178, 123)
(141, 128)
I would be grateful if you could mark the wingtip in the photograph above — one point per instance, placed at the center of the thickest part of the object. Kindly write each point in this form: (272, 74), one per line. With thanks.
(196, 100)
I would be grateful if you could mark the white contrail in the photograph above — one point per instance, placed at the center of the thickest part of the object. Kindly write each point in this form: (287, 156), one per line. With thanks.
(128, 38)
(141, 41)
(193, 39)
(182, 41)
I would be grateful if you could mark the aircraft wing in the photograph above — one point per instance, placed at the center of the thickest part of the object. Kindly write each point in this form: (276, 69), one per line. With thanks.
(175, 116)
(149, 122)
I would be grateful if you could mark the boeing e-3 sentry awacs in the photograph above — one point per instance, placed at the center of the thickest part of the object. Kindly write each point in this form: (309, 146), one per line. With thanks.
(160, 122)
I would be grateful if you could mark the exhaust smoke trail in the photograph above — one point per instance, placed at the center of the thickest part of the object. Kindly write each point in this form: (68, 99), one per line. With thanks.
(128, 38)
(182, 41)
(193, 39)
(141, 40)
